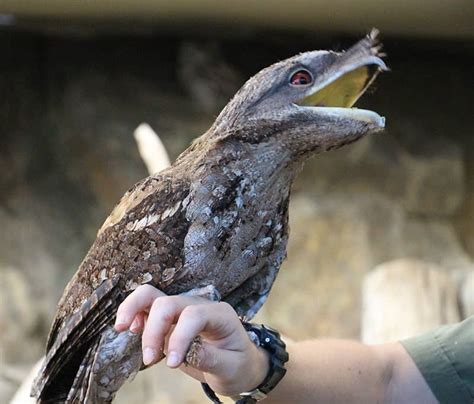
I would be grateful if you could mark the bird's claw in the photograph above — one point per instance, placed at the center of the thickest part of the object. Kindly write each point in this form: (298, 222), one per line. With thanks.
(192, 356)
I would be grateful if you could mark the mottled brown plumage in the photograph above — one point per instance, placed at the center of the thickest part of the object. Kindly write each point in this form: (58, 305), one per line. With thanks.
(216, 219)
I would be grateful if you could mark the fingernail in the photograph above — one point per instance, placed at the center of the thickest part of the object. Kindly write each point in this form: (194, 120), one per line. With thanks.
(172, 359)
(149, 355)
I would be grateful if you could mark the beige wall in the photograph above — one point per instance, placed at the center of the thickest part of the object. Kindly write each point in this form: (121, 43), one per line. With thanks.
(432, 18)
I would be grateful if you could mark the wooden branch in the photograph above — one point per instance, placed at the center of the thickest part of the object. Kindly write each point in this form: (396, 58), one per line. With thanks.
(467, 295)
(22, 395)
(151, 149)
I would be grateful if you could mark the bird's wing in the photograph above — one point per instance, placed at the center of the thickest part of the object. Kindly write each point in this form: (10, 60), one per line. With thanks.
(74, 339)
(78, 390)
(81, 285)
(131, 199)
(116, 261)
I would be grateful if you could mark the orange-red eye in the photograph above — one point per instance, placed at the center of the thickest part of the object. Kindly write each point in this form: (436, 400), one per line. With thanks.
(301, 78)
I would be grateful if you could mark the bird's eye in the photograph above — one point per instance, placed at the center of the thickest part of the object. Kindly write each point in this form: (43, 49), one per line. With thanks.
(301, 78)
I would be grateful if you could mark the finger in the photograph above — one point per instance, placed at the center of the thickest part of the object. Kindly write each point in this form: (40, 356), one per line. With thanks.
(164, 312)
(229, 371)
(138, 323)
(167, 338)
(216, 321)
(211, 359)
(139, 300)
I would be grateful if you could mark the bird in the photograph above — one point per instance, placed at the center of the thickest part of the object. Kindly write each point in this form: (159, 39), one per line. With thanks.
(213, 224)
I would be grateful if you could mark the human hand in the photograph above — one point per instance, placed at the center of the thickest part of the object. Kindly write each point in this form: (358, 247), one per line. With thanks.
(227, 360)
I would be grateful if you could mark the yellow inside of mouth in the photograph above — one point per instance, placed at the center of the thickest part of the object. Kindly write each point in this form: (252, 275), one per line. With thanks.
(342, 92)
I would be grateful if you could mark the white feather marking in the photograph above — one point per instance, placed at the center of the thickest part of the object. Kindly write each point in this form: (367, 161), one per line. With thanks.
(186, 200)
(129, 201)
(147, 277)
(239, 202)
(264, 242)
(171, 211)
(143, 222)
(103, 275)
(218, 191)
(168, 274)
(248, 253)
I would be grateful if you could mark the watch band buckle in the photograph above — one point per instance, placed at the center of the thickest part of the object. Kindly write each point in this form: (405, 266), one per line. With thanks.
(256, 394)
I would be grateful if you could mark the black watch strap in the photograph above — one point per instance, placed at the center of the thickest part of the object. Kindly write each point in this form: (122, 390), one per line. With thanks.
(211, 394)
(270, 340)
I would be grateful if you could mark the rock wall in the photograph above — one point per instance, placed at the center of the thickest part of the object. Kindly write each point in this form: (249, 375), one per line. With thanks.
(68, 108)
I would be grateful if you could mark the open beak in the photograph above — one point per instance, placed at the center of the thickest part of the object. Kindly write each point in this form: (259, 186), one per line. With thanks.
(343, 91)
(347, 80)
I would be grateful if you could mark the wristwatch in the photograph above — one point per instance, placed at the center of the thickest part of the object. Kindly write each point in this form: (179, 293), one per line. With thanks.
(270, 340)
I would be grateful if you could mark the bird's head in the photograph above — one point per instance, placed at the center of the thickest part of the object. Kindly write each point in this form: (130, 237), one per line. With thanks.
(304, 103)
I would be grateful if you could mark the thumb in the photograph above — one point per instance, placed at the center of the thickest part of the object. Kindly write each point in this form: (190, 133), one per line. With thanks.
(229, 372)
(208, 358)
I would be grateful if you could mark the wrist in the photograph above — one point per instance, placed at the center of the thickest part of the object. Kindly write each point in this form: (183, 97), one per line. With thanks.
(252, 372)
(270, 340)
(260, 366)
(264, 363)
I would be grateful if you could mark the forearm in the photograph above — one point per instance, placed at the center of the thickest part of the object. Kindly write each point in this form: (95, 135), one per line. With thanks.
(340, 371)
(333, 371)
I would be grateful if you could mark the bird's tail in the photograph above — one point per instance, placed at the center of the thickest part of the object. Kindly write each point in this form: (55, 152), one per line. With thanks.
(80, 386)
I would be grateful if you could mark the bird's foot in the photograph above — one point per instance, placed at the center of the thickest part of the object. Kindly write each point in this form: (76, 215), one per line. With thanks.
(192, 356)
(209, 292)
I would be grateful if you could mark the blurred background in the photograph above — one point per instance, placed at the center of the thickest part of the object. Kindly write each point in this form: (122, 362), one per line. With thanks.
(77, 78)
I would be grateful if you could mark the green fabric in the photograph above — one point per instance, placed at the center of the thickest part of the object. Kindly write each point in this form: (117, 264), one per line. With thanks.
(445, 358)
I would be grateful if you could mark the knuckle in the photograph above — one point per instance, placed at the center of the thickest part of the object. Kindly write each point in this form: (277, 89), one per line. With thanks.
(125, 309)
(192, 311)
(121, 307)
(165, 306)
(226, 307)
(155, 304)
(167, 316)
(144, 289)
(165, 303)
